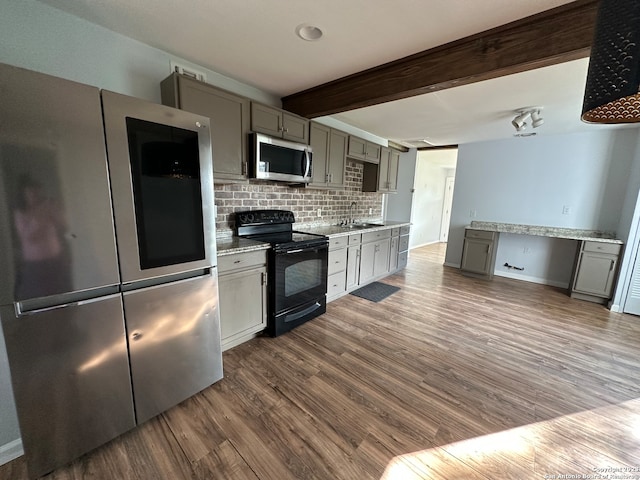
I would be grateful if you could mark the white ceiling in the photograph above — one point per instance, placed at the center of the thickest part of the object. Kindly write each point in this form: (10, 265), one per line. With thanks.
(254, 42)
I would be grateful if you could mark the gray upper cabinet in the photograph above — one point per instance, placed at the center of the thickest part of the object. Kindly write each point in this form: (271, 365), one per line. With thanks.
(337, 158)
(361, 149)
(383, 176)
(229, 116)
(329, 156)
(357, 147)
(319, 140)
(278, 123)
(394, 164)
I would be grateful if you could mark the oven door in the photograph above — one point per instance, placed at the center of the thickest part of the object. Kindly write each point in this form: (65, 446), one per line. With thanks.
(300, 276)
(162, 183)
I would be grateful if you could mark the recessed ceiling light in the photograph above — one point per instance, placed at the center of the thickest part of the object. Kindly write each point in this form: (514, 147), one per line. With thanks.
(530, 134)
(311, 33)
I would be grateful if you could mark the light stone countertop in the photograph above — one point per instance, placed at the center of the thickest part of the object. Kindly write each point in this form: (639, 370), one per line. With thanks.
(338, 231)
(542, 231)
(230, 245)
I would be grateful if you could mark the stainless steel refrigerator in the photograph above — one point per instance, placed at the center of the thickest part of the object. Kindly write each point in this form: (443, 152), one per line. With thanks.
(108, 291)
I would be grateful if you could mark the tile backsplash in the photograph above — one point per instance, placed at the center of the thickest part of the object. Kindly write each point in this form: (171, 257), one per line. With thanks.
(303, 202)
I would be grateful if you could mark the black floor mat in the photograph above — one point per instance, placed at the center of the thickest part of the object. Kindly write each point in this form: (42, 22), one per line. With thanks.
(375, 291)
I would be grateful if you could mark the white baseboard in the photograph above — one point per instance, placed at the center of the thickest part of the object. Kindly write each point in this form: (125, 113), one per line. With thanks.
(11, 451)
(615, 308)
(527, 278)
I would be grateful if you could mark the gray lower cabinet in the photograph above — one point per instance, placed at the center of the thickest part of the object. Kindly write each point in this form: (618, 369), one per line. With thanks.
(595, 271)
(337, 267)
(229, 115)
(394, 249)
(374, 257)
(353, 266)
(360, 258)
(242, 279)
(403, 247)
(479, 253)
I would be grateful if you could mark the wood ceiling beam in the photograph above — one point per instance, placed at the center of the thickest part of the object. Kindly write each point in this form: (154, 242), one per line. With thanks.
(554, 36)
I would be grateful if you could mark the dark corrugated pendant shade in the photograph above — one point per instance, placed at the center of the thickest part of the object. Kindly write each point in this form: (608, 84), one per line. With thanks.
(613, 82)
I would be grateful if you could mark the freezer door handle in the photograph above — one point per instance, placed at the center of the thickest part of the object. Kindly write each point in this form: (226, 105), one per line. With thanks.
(32, 307)
(136, 336)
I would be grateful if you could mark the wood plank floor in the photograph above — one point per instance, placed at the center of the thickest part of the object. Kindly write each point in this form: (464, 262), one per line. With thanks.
(449, 378)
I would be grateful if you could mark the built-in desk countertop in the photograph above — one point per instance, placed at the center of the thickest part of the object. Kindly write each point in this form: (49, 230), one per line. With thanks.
(541, 231)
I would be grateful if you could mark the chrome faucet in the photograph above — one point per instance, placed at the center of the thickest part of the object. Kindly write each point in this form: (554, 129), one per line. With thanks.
(353, 204)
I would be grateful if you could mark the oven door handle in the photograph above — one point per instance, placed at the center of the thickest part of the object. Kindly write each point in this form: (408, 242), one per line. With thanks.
(297, 250)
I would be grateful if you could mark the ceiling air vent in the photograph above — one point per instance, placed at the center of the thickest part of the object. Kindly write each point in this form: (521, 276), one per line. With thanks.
(189, 72)
(416, 143)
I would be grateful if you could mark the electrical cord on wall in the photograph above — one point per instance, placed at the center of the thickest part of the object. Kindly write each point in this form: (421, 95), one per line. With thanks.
(512, 267)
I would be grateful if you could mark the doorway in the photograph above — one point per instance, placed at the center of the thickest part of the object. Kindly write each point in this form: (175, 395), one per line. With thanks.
(430, 202)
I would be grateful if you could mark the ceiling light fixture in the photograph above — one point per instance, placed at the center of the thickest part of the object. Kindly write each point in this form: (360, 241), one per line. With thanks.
(525, 114)
(307, 32)
(612, 93)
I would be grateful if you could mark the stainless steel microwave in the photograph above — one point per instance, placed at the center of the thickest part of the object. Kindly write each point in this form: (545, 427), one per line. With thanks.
(280, 160)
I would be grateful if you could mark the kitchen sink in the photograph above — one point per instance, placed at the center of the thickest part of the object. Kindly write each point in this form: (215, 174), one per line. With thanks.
(360, 226)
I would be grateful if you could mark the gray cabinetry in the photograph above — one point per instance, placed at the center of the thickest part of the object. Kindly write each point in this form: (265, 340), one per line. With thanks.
(595, 271)
(479, 253)
(360, 258)
(278, 123)
(329, 155)
(403, 247)
(337, 267)
(361, 149)
(353, 261)
(243, 296)
(383, 176)
(394, 249)
(229, 115)
(374, 258)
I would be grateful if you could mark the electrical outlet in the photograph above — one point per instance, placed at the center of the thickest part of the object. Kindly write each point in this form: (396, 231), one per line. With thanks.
(472, 213)
(566, 210)
(319, 212)
(371, 211)
(526, 250)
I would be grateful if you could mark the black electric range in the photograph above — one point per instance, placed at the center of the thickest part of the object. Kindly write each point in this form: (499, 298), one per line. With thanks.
(297, 267)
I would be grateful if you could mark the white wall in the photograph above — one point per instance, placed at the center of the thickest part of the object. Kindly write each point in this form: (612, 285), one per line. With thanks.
(432, 169)
(398, 205)
(42, 38)
(530, 181)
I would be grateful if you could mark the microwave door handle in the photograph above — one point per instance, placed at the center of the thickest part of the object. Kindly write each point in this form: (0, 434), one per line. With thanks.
(307, 165)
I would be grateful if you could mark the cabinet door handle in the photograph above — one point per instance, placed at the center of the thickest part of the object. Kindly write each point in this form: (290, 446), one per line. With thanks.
(263, 278)
(488, 247)
(611, 266)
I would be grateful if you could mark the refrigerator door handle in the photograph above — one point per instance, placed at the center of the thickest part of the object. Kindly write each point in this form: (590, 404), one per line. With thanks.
(32, 307)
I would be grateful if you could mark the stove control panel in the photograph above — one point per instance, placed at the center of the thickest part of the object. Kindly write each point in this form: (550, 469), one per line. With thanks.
(264, 217)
